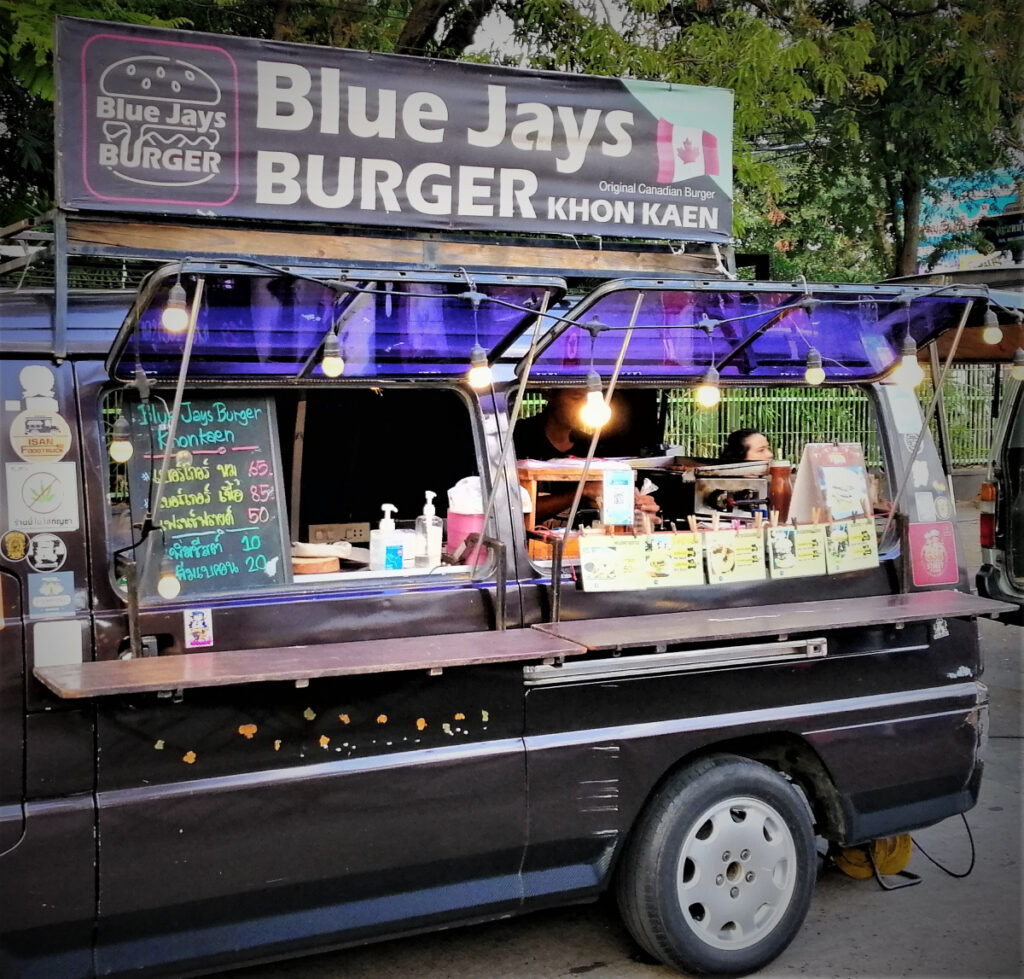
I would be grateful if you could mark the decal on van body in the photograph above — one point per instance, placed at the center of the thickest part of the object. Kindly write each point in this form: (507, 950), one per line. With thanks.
(198, 627)
(42, 496)
(51, 594)
(57, 643)
(14, 545)
(40, 436)
(46, 553)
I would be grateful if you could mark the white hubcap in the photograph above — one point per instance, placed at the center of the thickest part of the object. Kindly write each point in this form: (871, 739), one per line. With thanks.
(736, 873)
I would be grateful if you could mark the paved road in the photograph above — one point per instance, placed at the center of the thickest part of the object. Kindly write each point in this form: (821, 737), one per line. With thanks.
(968, 928)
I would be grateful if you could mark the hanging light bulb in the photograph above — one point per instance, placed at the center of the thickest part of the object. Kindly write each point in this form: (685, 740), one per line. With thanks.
(595, 411)
(332, 363)
(174, 318)
(708, 393)
(479, 375)
(991, 332)
(1017, 368)
(815, 373)
(121, 448)
(909, 373)
(168, 585)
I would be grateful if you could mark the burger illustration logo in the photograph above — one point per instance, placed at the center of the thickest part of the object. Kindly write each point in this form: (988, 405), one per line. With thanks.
(161, 124)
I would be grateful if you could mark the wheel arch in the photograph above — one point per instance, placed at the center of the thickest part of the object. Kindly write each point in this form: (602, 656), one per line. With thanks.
(782, 751)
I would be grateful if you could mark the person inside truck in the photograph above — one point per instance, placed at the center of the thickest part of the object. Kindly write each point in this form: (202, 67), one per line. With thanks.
(746, 445)
(552, 434)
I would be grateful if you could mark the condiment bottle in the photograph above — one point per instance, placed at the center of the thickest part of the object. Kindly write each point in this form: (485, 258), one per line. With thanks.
(780, 490)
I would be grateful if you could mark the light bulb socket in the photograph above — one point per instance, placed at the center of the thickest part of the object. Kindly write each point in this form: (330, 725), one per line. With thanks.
(331, 346)
(121, 448)
(174, 317)
(814, 374)
(1017, 365)
(593, 381)
(990, 318)
(909, 347)
(710, 378)
(479, 376)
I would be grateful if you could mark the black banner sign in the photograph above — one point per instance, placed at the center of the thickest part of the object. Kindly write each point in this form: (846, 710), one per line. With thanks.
(205, 125)
(221, 509)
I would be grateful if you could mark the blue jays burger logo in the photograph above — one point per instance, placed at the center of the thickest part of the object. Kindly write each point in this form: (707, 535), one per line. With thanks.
(161, 126)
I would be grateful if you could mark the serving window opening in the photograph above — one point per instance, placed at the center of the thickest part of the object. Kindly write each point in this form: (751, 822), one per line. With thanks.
(772, 482)
(299, 488)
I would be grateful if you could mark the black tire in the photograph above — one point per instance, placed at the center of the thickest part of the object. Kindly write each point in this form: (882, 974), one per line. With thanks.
(718, 874)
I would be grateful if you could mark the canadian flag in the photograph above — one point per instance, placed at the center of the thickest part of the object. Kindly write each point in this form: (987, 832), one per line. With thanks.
(685, 152)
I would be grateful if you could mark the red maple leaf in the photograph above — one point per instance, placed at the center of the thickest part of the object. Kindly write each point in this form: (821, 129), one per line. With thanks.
(687, 152)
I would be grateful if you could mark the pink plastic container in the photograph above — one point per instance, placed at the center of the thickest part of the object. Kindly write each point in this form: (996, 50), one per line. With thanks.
(459, 525)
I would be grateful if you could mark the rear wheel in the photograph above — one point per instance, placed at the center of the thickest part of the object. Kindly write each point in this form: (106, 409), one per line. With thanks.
(719, 873)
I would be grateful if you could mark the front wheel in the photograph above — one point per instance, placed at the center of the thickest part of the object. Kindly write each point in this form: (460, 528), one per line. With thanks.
(719, 872)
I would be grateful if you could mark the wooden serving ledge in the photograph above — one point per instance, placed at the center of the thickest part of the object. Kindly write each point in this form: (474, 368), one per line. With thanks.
(301, 663)
(712, 625)
(548, 643)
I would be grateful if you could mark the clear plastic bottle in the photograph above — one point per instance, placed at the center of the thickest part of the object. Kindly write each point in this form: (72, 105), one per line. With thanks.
(386, 546)
(429, 531)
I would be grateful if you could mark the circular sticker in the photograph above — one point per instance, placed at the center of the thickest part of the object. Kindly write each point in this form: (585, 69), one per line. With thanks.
(40, 436)
(13, 545)
(47, 552)
(943, 508)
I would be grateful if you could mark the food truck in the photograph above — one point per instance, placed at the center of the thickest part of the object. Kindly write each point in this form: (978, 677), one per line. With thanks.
(260, 697)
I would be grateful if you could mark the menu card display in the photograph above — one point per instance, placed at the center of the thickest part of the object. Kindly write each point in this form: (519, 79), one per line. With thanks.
(832, 478)
(612, 562)
(850, 545)
(673, 559)
(796, 551)
(624, 562)
(735, 555)
(221, 509)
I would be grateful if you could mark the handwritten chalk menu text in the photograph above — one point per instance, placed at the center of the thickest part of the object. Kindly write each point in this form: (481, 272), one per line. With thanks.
(221, 505)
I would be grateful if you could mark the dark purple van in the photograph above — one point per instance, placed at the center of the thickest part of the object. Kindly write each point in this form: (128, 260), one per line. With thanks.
(242, 719)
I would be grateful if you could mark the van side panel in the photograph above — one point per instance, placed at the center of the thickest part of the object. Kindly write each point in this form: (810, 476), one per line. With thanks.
(893, 717)
(47, 816)
(271, 819)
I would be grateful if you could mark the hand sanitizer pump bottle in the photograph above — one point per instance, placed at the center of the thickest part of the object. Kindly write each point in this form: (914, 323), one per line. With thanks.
(386, 546)
(429, 531)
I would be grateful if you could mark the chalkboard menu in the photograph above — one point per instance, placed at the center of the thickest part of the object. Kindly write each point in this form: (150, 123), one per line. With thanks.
(221, 509)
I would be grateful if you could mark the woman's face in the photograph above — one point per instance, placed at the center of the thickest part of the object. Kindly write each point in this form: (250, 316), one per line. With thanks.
(758, 449)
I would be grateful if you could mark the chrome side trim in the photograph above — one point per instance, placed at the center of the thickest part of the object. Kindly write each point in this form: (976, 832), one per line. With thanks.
(656, 664)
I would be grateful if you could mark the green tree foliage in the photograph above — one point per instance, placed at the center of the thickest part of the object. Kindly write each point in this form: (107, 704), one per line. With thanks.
(845, 109)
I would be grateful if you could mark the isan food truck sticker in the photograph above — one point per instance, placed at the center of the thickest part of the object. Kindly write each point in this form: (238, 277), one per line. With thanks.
(245, 128)
(40, 436)
(42, 497)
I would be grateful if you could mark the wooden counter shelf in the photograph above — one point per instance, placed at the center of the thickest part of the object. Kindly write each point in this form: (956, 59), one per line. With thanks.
(301, 663)
(713, 625)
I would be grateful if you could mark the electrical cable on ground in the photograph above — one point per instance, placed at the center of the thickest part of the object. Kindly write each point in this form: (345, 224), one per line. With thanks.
(946, 870)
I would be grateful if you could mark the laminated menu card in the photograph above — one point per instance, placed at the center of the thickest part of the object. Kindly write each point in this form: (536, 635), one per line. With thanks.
(673, 559)
(850, 545)
(734, 555)
(612, 562)
(796, 551)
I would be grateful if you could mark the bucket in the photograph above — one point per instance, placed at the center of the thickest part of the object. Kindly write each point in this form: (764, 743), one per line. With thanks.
(459, 525)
